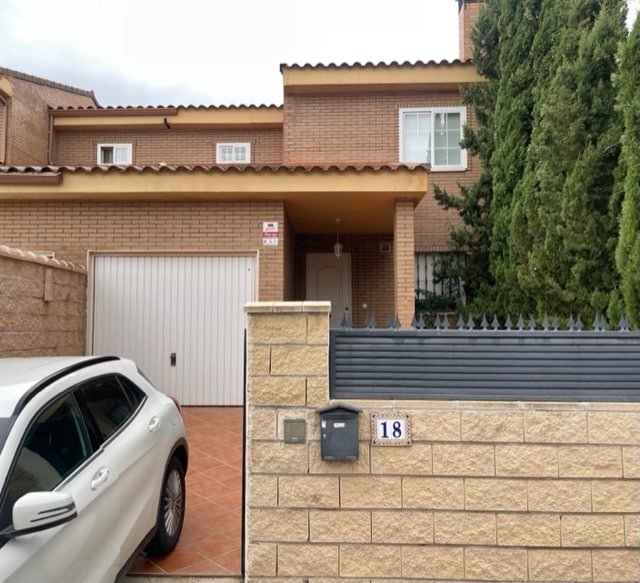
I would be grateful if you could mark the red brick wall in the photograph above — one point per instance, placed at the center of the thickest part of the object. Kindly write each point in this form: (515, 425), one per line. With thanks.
(73, 228)
(28, 119)
(176, 146)
(468, 11)
(365, 128)
(42, 306)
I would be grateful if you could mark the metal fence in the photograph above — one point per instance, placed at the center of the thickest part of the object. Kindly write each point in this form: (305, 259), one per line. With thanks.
(489, 360)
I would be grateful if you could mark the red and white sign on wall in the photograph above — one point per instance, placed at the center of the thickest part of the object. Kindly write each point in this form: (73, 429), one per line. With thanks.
(270, 234)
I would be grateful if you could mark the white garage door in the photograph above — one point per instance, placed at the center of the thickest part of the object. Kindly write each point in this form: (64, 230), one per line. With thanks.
(180, 318)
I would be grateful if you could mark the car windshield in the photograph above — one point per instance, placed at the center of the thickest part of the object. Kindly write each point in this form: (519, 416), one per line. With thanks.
(5, 425)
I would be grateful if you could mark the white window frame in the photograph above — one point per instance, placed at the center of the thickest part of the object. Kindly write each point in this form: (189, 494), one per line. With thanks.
(237, 148)
(122, 154)
(433, 111)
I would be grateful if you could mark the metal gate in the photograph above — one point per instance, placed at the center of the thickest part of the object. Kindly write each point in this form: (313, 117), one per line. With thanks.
(180, 318)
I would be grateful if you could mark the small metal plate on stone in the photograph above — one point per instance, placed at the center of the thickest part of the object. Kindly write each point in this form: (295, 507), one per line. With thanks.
(388, 428)
(295, 430)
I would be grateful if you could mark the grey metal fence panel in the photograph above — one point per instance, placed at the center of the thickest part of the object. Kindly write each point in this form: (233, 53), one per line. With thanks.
(485, 365)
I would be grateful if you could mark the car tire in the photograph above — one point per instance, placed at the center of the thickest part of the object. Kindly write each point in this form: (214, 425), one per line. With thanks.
(171, 510)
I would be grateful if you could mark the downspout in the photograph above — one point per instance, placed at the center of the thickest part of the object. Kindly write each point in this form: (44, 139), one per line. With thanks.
(50, 140)
(3, 127)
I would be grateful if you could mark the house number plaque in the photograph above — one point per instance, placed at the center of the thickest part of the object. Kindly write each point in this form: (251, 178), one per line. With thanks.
(390, 429)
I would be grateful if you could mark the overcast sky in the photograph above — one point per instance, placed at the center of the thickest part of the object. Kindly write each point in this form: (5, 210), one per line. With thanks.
(213, 52)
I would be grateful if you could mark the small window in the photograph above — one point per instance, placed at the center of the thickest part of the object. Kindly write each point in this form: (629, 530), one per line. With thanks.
(432, 136)
(110, 404)
(110, 154)
(233, 153)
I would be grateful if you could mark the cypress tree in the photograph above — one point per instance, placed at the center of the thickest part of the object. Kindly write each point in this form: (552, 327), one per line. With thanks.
(627, 253)
(568, 185)
(518, 22)
(473, 238)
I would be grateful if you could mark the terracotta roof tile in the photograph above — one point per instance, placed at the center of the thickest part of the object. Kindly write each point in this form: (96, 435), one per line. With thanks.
(49, 170)
(379, 65)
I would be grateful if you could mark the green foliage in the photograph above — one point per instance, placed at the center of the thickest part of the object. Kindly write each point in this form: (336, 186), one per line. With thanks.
(627, 253)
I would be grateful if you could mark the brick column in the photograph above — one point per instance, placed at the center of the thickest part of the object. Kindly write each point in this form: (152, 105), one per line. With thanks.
(403, 262)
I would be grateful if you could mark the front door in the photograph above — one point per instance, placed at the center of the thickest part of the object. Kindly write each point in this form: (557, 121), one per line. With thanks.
(329, 278)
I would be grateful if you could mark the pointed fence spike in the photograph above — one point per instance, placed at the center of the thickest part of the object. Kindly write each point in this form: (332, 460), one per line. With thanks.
(603, 323)
(437, 324)
(470, 323)
(571, 324)
(596, 322)
(372, 321)
(508, 324)
(414, 322)
(545, 323)
(445, 322)
(495, 323)
(366, 321)
(484, 324)
(623, 324)
(460, 324)
(390, 322)
(532, 323)
(520, 323)
(345, 322)
(421, 323)
(579, 324)
(396, 322)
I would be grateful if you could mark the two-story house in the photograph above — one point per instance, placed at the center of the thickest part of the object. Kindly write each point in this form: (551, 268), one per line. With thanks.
(182, 214)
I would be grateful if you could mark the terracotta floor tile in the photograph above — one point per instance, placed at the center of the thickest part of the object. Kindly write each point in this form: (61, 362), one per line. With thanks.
(211, 542)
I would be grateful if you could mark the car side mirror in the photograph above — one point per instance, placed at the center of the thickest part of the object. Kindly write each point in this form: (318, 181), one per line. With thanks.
(38, 511)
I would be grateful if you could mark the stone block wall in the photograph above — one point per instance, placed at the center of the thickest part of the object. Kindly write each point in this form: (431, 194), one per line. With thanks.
(42, 305)
(487, 491)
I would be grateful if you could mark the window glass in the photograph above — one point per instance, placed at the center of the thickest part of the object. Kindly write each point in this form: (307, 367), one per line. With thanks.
(109, 403)
(56, 444)
(433, 136)
(115, 154)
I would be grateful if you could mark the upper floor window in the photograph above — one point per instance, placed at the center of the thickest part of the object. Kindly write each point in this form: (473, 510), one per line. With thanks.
(236, 153)
(432, 136)
(115, 154)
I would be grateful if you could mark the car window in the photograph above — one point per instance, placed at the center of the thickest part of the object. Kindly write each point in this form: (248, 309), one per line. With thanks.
(111, 401)
(55, 445)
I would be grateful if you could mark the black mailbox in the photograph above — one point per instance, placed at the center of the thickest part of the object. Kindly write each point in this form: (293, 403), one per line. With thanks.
(338, 432)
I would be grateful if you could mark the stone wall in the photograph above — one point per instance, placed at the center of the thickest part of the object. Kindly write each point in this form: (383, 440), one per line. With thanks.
(485, 492)
(42, 305)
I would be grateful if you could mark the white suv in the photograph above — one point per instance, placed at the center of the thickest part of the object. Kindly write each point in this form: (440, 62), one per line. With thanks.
(92, 467)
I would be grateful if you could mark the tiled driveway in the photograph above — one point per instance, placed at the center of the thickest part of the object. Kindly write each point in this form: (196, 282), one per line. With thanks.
(211, 542)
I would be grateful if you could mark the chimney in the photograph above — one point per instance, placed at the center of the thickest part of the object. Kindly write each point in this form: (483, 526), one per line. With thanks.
(468, 11)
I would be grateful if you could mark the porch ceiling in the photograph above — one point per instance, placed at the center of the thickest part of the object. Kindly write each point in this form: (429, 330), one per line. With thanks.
(362, 197)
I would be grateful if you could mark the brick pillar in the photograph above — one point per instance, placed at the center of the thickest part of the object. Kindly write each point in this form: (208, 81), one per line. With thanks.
(403, 262)
(468, 11)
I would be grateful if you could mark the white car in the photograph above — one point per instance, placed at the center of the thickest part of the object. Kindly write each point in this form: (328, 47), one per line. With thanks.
(92, 469)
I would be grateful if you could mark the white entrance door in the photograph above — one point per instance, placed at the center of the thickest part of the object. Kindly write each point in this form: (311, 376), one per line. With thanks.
(329, 278)
(180, 318)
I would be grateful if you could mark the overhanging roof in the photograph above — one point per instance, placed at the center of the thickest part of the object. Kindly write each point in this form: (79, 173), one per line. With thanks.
(362, 196)
(344, 78)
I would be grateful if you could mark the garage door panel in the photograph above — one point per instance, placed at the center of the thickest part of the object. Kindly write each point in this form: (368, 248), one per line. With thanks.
(150, 307)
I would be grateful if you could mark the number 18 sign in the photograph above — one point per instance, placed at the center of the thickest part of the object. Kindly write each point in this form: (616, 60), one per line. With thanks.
(390, 429)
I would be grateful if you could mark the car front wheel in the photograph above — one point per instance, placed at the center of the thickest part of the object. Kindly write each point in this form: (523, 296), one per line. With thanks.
(170, 511)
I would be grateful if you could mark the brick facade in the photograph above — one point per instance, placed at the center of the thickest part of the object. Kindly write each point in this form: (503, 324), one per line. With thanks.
(28, 116)
(71, 229)
(42, 305)
(487, 491)
(175, 146)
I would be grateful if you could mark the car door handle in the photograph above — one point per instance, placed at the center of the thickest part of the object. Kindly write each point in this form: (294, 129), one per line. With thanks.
(100, 477)
(154, 424)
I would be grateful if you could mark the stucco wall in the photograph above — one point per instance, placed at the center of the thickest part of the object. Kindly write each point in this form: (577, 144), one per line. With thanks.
(486, 492)
(42, 305)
